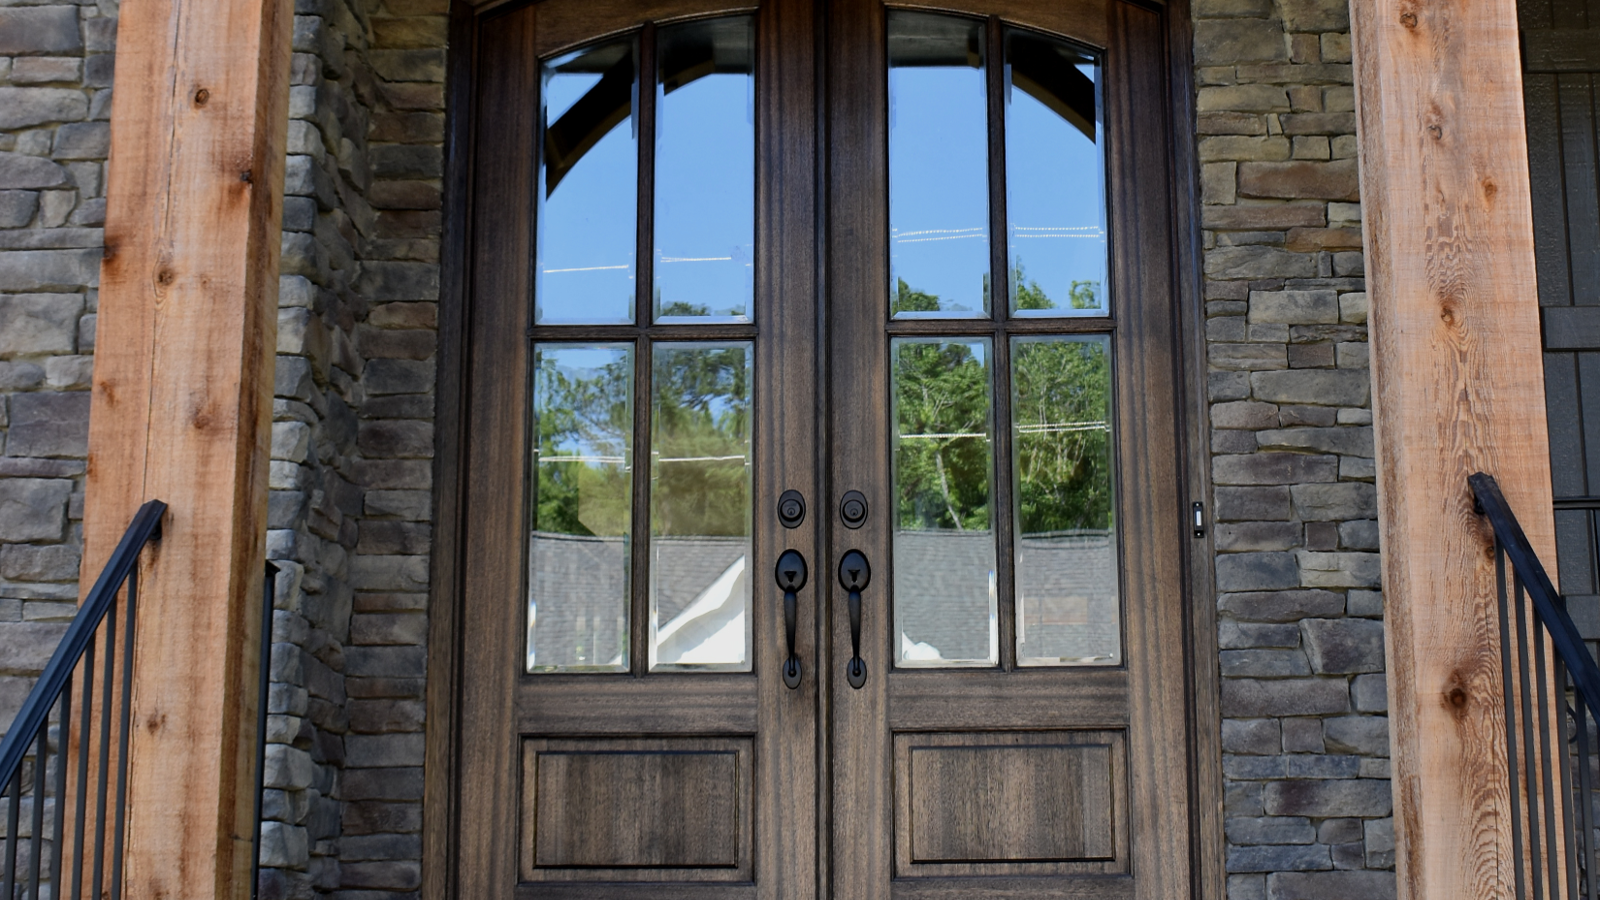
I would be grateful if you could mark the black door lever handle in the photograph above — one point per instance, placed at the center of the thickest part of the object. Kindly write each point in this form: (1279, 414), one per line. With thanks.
(854, 575)
(791, 574)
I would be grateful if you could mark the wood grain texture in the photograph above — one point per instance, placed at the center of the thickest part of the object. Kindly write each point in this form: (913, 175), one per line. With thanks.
(1084, 22)
(1454, 329)
(562, 26)
(181, 411)
(663, 809)
(1010, 803)
(439, 844)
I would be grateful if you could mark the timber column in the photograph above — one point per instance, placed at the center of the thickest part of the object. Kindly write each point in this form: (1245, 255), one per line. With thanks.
(1458, 387)
(181, 412)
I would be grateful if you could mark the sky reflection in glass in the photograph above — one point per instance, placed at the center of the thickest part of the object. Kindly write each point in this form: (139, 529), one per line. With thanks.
(938, 167)
(588, 178)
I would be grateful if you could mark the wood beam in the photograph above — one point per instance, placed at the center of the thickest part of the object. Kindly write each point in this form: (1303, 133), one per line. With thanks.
(1458, 388)
(181, 412)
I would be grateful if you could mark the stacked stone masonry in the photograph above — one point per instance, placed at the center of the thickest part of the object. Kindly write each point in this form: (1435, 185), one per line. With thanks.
(55, 100)
(1300, 614)
(1304, 734)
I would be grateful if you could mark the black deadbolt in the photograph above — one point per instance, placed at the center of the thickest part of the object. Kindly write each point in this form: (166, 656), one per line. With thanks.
(791, 509)
(853, 509)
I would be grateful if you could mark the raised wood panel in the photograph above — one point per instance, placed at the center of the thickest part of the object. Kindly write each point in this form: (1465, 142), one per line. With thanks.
(650, 805)
(661, 704)
(1017, 803)
(556, 890)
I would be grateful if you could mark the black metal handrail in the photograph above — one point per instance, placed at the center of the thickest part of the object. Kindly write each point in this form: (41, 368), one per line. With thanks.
(30, 731)
(1552, 706)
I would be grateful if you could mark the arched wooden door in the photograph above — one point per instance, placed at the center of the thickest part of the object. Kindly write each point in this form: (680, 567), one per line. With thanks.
(822, 513)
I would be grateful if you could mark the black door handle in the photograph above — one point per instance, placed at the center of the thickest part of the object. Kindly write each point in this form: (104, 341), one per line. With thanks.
(854, 574)
(791, 573)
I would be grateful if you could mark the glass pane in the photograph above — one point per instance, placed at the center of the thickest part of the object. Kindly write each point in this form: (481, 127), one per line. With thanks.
(700, 507)
(938, 167)
(1067, 607)
(944, 548)
(705, 171)
(588, 187)
(578, 551)
(1055, 178)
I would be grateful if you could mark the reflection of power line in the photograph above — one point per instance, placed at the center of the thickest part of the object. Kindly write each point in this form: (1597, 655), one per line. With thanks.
(672, 259)
(1043, 428)
(1059, 427)
(584, 269)
(941, 234)
(678, 459)
(607, 460)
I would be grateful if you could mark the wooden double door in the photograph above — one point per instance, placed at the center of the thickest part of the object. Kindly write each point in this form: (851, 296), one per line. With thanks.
(823, 522)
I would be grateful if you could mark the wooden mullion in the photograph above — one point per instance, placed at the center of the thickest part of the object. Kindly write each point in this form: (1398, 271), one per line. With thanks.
(645, 110)
(706, 332)
(639, 580)
(1001, 512)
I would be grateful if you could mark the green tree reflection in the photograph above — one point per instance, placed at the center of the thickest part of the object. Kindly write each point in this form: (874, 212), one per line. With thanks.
(585, 413)
(942, 456)
(701, 481)
(1062, 407)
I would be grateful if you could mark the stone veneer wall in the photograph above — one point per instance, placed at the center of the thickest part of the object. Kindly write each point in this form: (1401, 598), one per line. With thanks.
(1305, 738)
(352, 447)
(55, 103)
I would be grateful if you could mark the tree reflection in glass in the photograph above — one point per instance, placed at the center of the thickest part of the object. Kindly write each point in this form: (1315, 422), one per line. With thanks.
(1066, 567)
(578, 550)
(700, 506)
(944, 550)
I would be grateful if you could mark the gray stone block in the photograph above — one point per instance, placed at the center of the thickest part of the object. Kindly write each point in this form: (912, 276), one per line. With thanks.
(83, 140)
(1364, 603)
(1349, 885)
(25, 647)
(1235, 635)
(39, 30)
(1378, 835)
(49, 424)
(1315, 15)
(1258, 736)
(389, 281)
(399, 376)
(1349, 441)
(1279, 858)
(1281, 606)
(1304, 765)
(1263, 663)
(1339, 569)
(19, 171)
(1257, 572)
(1360, 735)
(17, 208)
(383, 750)
(1294, 307)
(33, 509)
(1325, 387)
(1223, 386)
(1370, 693)
(32, 562)
(1253, 504)
(1302, 736)
(1343, 646)
(1258, 262)
(49, 270)
(24, 107)
(1334, 502)
(1321, 798)
(1247, 887)
(39, 323)
(1236, 41)
(1273, 468)
(1233, 537)
(1361, 535)
(1250, 697)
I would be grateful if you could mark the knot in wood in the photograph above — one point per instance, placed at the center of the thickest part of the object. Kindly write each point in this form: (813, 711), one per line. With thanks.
(201, 96)
(1436, 132)
(1408, 19)
(164, 277)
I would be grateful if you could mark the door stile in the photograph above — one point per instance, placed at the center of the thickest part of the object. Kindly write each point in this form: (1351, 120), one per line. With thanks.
(1147, 387)
(786, 446)
(862, 822)
(500, 267)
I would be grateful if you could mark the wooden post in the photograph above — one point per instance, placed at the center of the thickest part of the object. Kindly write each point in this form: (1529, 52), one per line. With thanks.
(1459, 387)
(182, 413)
